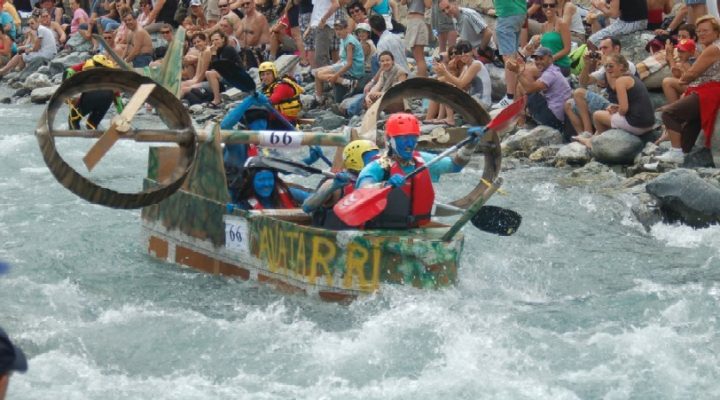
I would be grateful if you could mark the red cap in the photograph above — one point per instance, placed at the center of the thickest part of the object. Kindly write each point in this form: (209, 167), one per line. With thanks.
(687, 45)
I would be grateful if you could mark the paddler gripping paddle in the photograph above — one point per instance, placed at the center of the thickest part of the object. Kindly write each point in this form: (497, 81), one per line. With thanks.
(365, 204)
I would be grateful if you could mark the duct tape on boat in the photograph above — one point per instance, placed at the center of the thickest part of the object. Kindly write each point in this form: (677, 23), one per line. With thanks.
(236, 234)
(280, 139)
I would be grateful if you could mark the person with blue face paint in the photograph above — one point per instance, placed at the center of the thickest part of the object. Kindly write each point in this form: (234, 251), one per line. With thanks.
(410, 203)
(356, 155)
(263, 189)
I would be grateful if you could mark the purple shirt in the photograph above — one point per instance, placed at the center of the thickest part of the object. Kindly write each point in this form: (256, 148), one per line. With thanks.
(557, 92)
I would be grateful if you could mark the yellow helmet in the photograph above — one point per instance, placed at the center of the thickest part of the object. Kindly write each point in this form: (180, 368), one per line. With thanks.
(99, 60)
(268, 66)
(353, 153)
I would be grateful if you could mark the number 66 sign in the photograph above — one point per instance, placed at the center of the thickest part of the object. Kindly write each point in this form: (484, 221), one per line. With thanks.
(236, 235)
(280, 139)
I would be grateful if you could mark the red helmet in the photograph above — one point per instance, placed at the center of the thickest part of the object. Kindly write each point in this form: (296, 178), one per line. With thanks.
(402, 124)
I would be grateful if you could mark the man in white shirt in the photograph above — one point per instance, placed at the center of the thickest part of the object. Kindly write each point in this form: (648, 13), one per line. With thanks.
(44, 46)
(321, 26)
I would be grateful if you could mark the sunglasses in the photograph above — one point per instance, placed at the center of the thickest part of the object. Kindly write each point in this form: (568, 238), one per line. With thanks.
(609, 66)
(164, 32)
(546, 5)
(222, 5)
(245, 4)
(355, 10)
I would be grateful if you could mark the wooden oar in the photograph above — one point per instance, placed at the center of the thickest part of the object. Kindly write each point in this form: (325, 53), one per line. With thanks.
(365, 204)
(120, 123)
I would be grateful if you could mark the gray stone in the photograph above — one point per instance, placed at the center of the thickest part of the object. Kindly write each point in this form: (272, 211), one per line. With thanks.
(32, 67)
(633, 45)
(592, 173)
(616, 147)
(233, 94)
(43, 94)
(60, 63)
(285, 64)
(529, 141)
(37, 80)
(329, 121)
(685, 197)
(572, 154)
(497, 77)
(647, 211)
(196, 108)
(545, 153)
(699, 157)
(22, 92)
(307, 101)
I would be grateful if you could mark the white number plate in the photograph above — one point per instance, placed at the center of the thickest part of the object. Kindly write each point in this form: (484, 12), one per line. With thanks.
(280, 139)
(236, 235)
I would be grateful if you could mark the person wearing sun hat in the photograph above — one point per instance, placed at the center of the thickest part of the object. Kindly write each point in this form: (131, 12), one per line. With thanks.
(363, 32)
(12, 359)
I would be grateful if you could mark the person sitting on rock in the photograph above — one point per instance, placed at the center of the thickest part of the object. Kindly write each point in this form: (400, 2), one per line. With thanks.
(410, 202)
(44, 46)
(633, 111)
(584, 102)
(254, 35)
(351, 66)
(672, 87)
(356, 155)
(261, 189)
(697, 110)
(546, 94)
(139, 51)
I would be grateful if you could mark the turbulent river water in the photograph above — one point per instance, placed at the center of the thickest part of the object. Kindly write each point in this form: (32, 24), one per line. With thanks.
(581, 303)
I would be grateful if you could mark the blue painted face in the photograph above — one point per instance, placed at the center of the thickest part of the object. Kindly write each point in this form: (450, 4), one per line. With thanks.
(258, 125)
(404, 146)
(368, 156)
(264, 183)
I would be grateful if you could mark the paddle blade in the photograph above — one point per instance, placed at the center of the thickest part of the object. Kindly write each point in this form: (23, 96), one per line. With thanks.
(362, 205)
(108, 139)
(508, 115)
(232, 73)
(497, 220)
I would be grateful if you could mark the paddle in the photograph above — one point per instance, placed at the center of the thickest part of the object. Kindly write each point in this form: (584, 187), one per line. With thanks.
(240, 79)
(365, 204)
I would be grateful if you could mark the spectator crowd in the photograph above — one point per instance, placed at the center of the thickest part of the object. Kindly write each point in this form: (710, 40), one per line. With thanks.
(565, 55)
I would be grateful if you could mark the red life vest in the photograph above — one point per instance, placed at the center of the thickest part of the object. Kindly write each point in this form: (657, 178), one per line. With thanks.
(419, 189)
(286, 201)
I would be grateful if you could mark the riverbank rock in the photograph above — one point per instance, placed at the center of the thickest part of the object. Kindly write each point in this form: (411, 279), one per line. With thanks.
(592, 173)
(616, 146)
(572, 154)
(37, 80)
(647, 211)
(497, 79)
(43, 94)
(543, 154)
(685, 197)
(526, 142)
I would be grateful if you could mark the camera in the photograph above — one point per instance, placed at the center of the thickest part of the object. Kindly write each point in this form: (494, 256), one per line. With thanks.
(596, 55)
(439, 58)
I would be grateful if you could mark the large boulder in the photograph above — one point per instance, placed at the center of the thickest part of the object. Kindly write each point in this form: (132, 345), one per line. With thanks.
(60, 63)
(616, 146)
(43, 94)
(527, 142)
(31, 67)
(684, 197)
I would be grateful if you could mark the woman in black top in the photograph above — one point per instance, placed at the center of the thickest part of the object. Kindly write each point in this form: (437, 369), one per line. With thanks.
(220, 51)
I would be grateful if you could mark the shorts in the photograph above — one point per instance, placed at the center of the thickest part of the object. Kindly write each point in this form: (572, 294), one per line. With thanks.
(695, 2)
(27, 57)
(595, 102)
(309, 39)
(618, 121)
(439, 20)
(416, 33)
(507, 32)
